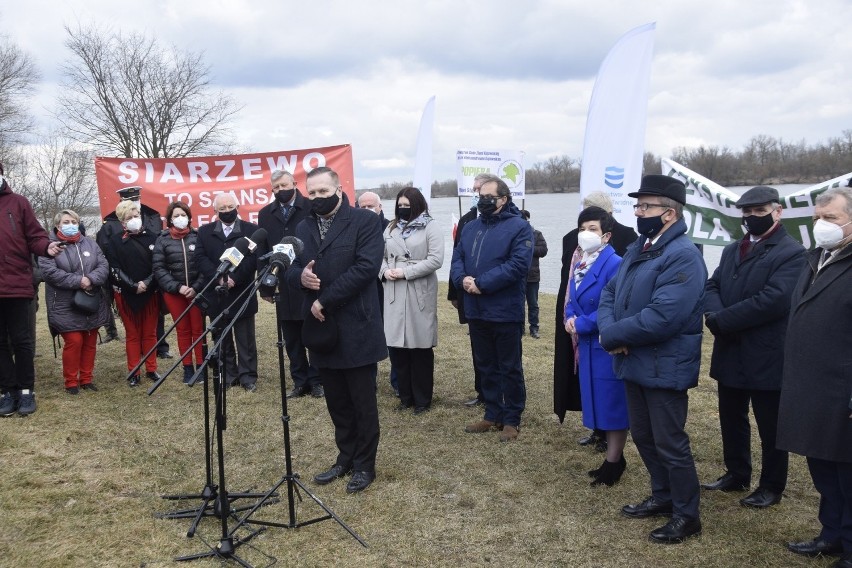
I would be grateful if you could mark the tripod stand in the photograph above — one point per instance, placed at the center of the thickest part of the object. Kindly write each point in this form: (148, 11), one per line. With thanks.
(294, 484)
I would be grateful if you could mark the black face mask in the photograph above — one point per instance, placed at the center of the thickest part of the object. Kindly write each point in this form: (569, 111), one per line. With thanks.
(285, 195)
(650, 226)
(403, 213)
(487, 205)
(227, 217)
(324, 205)
(758, 225)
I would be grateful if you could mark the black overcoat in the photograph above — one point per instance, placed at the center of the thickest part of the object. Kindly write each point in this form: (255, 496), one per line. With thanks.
(750, 300)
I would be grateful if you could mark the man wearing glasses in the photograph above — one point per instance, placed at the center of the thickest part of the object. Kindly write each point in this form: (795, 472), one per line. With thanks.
(650, 320)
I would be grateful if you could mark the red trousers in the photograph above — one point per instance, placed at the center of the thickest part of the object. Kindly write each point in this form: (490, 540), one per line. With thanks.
(140, 329)
(189, 328)
(78, 357)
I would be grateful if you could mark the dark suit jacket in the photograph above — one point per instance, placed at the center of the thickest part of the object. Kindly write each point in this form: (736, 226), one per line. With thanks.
(452, 292)
(209, 247)
(347, 263)
(271, 218)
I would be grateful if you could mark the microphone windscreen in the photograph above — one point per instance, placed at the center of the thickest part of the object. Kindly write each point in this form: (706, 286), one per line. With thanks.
(259, 236)
(242, 245)
(298, 245)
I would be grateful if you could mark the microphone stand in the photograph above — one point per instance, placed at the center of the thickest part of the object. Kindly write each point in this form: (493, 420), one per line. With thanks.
(292, 479)
(210, 505)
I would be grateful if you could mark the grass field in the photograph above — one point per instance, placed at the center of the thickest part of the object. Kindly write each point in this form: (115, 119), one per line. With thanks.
(82, 478)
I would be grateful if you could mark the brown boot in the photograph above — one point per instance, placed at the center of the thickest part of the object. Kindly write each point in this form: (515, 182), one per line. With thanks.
(481, 426)
(509, 433)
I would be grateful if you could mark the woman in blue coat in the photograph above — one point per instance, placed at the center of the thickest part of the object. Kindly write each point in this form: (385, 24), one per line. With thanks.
(602, 393)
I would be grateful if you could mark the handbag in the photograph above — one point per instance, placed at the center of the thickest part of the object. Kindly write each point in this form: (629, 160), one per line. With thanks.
(86, 302)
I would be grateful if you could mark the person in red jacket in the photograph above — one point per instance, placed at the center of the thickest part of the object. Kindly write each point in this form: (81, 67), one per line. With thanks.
(20, 236)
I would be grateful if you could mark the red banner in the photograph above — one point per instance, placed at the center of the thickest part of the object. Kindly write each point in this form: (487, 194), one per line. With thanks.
(196, 181)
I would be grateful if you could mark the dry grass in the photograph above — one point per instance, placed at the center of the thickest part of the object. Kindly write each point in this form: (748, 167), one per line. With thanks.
(82, 478)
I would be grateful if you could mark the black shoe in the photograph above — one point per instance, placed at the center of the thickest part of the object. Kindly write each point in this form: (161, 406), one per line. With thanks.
(89, 387)
(650, 507)
(402, 407)
(153, 375)
(610, 472)
(9, 403)
(474, 402)
(133, 381)
(589, 440)
(109, 338)
(676, 530)
(726, 483)
(317, 391)
(27, 403)
(420, 410)
(360, 481)
(165, 355)
(298, 391)
(601, 446)
(761, 499)
(72, 390)
(815, 547)
(534, 333)
(250, 387)
(335, 472)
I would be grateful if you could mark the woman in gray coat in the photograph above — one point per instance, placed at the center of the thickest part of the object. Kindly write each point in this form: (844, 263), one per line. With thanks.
(414, 251)
(81, 265)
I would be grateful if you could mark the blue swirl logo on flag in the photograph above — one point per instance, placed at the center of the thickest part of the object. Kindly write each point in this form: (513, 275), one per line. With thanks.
(614, 177)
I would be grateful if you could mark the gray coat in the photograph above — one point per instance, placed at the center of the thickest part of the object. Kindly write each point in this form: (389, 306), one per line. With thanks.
(411, 305)
(816, 391)
(63, 274)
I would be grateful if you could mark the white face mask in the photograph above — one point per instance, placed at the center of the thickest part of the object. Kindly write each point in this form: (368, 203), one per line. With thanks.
(828, 235)
(181, 222)
(134, 224)
(589, 241)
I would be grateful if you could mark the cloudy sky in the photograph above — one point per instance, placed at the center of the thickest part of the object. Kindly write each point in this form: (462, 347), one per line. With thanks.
(506, 74)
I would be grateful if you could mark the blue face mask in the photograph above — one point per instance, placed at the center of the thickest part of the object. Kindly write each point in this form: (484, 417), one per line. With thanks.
(474, 200)
(69, 230)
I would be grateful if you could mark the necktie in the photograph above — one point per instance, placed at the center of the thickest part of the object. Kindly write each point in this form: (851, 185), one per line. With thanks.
(647, 246)
(227, 230)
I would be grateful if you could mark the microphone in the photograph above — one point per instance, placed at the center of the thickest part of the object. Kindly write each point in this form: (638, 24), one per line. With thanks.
(232, 256)
(259, 236)
(282, 256)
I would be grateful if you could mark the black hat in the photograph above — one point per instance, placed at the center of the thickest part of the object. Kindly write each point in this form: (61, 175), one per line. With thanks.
(126, 193)
(758, 196)
(663, 186)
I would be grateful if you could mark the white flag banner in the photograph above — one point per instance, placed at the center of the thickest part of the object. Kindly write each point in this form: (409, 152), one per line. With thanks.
(614, 145)
(508, 165)
(713, 219)
(423, 156)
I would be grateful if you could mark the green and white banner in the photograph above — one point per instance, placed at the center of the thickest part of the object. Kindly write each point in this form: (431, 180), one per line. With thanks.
(712, 218)
(508, 165)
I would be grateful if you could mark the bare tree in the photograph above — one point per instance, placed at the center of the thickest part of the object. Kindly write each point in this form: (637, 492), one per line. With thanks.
(59, 174)
(128, 96)
(18, 78)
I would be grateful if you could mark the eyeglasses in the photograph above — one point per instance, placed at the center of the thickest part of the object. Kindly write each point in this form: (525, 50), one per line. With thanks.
(645, 206)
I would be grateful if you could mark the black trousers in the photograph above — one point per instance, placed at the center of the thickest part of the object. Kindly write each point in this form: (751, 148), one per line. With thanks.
(239, 351)
(302, 373)
(736, 435)
(350, 396)
(833, 481)
(415, 371)
(17, 345)
(657, 420)
(477, 377)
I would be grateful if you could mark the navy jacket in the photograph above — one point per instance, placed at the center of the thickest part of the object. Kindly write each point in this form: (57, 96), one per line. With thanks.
(347, 263)
(749, 301)
(654, 307)
(496, 250)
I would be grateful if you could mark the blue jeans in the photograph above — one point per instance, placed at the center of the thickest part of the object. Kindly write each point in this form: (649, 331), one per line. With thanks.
(532, 304)
(497, 356)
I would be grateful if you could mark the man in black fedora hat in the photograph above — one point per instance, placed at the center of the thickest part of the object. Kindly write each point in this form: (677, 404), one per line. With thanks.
(650, 320)
(748, 302)
(152, 222)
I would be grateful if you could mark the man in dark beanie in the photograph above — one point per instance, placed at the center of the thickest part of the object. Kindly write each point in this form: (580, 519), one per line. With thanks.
(650, 320)
(21, 235)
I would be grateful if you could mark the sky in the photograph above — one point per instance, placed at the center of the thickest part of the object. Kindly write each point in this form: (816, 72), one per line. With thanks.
(505, 74)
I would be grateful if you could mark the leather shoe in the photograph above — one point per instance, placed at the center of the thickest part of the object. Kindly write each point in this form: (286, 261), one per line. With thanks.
(761, 499)
(153, 375)
(815, 547)
(473, 402)
(360, 481)
(335, 472)
(165, 355)
(298, 391)
(726, 483)
(676, 530)
(317, 391)
(650, 507)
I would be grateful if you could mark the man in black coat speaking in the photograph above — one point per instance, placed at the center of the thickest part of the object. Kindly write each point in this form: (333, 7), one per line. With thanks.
(747, 304)
(337, 270)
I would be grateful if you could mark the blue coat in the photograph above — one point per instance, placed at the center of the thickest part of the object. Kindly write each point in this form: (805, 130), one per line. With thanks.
(654, 307)
(496, 250)
(602, 393)
(347, 264)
